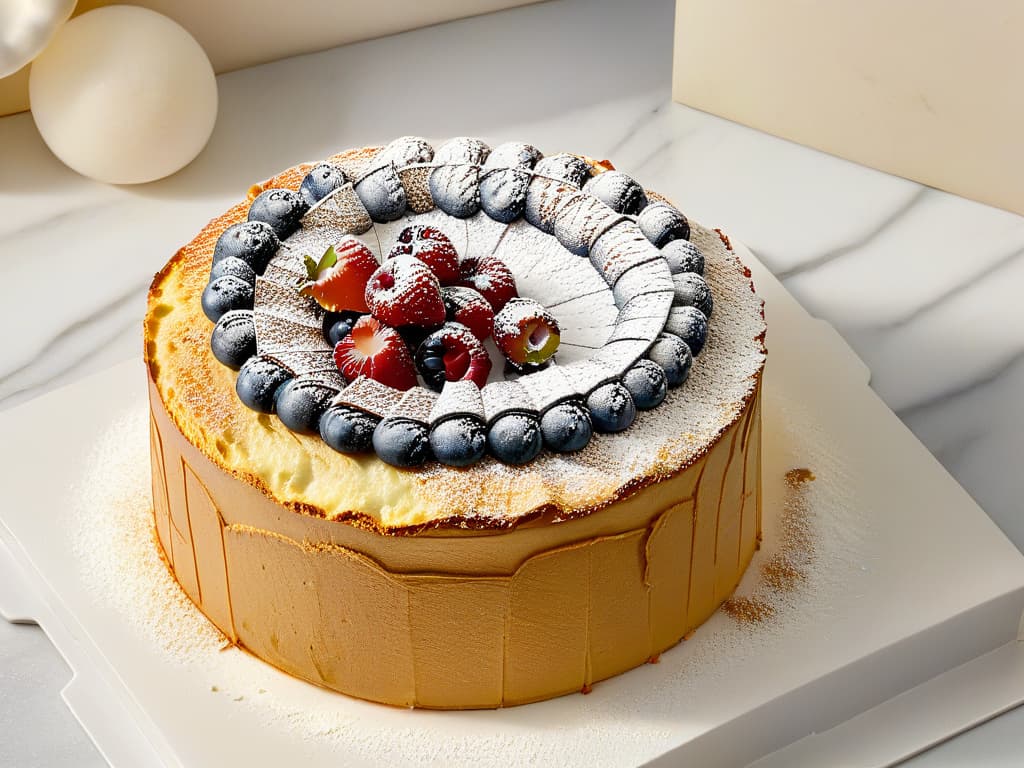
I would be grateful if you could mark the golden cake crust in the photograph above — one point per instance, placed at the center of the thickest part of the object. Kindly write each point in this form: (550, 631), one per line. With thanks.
(198, 394)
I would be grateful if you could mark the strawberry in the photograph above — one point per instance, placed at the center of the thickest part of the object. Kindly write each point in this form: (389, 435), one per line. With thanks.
(491, 278)
(525, 332)
(431, 246)
(467, 306)
(452, 353)
(403, 291)
(338, 280)
(376, 351)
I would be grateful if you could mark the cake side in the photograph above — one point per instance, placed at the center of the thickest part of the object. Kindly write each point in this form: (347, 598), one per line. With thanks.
(456, 619)
(199, 394)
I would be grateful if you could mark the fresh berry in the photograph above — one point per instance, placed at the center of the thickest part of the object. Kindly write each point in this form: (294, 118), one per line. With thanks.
(376, 351)
(661, 223)
(403, 291)
(224, 294)
(618, 191)
(347, 430)
(491, 278)
(431, 246)
(673, 355)
(382, 194)
(337, 325)
(647, 384)
(282, 209)
(254, 242)
(338, 280)
(689, 324)
(452, 353)
(692, 291)
(459, 442)
(258, 381)
(235, 267)
(320, 182)
(515, 438)
(233, 340)
(611, 407)
(683, 256)
(469, 307)
(300, 403)
(566, 427)
(564, 167)
(525, 332)
(401, 442)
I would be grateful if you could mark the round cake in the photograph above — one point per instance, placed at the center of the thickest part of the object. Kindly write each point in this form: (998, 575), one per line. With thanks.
(460, 428)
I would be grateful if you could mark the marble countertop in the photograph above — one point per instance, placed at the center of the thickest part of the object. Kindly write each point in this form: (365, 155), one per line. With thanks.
(924, 285)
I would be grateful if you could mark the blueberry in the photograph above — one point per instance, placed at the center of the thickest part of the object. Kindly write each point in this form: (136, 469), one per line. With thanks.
(226, 293)
(347, 430)
(282, 209)
(661, 223)
(382, 194)
(683, 256)
(503, 193)
(233, 265)
(254, 242)
(564, 167)
(258, 381)
(611, 407)
(320, 182)
(300, 403)
(459, 442)
(566, 427)
(233, 340)
(513, 154)
(647, 384)
(618, 191)
(515, 438)
(430, 362)
(673, 355)
(692, 291)
(337, 325)
(401, 442)
(689, 324)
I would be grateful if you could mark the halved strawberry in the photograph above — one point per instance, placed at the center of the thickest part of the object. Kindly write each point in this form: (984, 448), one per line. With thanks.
(338, 280)
(431, 246)
(403, 291)
(526, 333)
(467, 306)
(452, 353)
(491, 277)
(376, 351)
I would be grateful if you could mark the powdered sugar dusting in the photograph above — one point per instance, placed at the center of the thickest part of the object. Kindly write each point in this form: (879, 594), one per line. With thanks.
(625, 720)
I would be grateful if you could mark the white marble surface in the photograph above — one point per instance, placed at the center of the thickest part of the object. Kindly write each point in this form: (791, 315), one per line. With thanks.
(924, 285)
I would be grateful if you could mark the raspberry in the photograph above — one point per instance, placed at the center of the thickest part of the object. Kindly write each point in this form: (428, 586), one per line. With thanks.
(431, 246)
(467, 306)
(376, 351)
(452, 353)
(491, 278)
(403, 291)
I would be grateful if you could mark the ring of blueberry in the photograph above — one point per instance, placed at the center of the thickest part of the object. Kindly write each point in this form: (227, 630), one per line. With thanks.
(393, 356)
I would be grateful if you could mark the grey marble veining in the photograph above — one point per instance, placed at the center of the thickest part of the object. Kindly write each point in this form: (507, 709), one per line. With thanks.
(924, 285)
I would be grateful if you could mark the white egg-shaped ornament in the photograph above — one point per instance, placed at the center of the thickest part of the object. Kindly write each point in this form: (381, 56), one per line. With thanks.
(123, 95)
(26, 26)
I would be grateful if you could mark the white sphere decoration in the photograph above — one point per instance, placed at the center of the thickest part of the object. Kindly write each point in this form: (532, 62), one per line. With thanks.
(26, 26)
(124, 95)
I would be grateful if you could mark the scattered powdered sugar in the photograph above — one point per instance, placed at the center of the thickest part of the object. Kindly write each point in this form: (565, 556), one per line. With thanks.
(812, 528)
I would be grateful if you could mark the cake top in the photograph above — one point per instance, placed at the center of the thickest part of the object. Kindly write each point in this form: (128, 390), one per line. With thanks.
(598, 293)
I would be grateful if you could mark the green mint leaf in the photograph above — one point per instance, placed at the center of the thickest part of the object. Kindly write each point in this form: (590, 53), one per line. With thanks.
(328, 260)
(311, 266)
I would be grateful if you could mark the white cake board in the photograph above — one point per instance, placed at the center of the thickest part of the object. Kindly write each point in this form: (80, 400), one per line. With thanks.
(907, 633)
